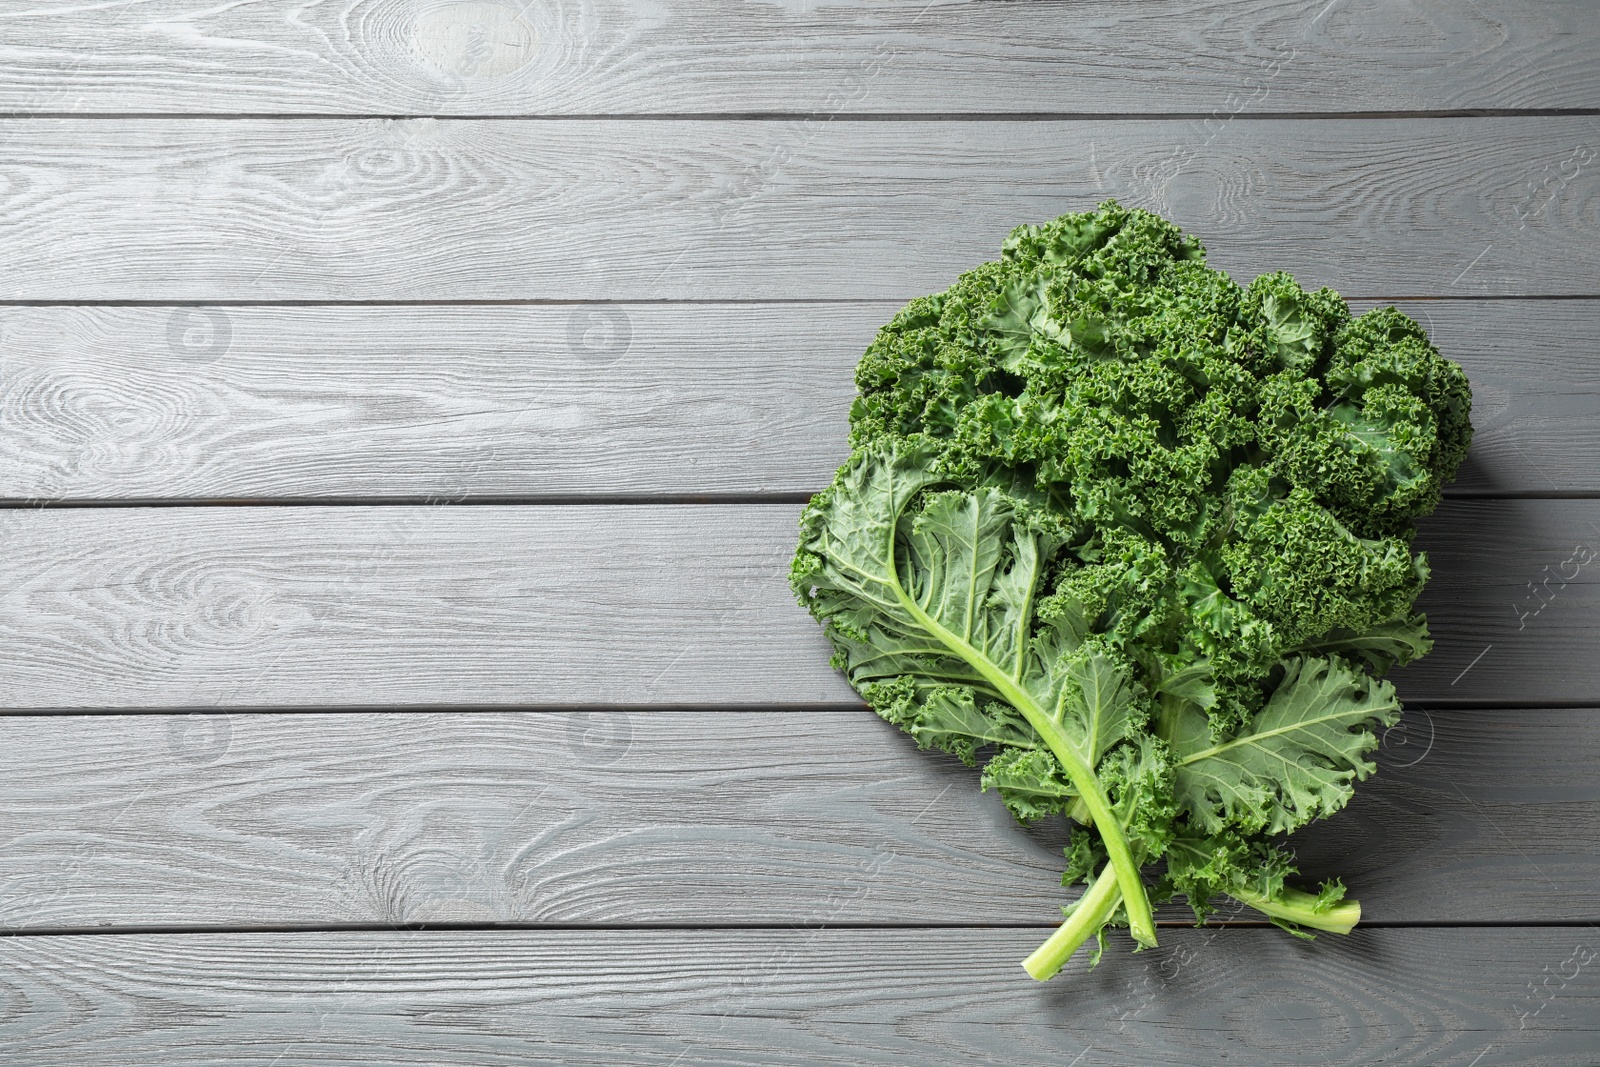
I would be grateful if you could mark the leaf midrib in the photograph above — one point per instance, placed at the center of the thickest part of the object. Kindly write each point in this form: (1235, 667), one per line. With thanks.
(1367, 712)
(1080, 773)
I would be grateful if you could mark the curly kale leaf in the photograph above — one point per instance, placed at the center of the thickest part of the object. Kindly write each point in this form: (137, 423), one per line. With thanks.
(1253, 872)
(1294, 761)
(1391, 644)
(929, 598)
(1138, 539)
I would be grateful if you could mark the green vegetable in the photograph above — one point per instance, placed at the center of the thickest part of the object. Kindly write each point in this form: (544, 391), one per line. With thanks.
(1139, 541)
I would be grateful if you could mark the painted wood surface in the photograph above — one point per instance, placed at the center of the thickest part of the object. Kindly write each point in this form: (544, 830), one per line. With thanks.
(600, 269)
(431, 209)
(1406, 998)
(687, 818)
(590, 401)
(719, 56)
(423, 606)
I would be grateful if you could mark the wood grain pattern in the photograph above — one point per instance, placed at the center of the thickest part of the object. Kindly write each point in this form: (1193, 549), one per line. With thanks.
(598, 401)
(623, 605)
(1404, 998)
(1513, 605)
(406, 605)
(667, 230)
(426, 209)
(620, 56)
(602, 605)
(685, 818)
(520, 401)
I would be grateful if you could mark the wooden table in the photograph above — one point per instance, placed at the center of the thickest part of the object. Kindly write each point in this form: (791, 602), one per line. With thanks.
(420, 396)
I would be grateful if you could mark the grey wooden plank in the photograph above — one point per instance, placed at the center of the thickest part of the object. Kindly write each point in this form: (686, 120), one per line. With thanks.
(412, 605)
(1469, 803)
(601, 604)
(596, 400)
(520, 401)
(597, 817)
(1513, 605)
(428, 209)
(150, 821)
(618, 56)
(1399, 997)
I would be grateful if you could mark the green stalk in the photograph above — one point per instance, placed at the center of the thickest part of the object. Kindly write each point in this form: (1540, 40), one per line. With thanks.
(1095, 907)
(1141, 923)
(1296, 906)
(1092, 911)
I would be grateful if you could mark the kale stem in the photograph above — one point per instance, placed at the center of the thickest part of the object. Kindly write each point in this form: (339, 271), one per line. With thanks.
(1089, 914)
(1141, 923)
(1299, 907)
(1094, 909)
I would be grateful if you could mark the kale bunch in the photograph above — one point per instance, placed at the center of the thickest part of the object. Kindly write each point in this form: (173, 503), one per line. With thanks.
(1139, 540)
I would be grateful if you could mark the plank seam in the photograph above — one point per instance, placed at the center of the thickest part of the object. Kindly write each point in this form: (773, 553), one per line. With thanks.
(731, 302)
(573, 500)
(1418, 704)
(792, 116)
(442, 500)
(359, 928)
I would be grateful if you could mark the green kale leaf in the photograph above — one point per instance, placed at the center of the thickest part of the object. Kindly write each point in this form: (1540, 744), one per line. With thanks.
(1137, 540)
